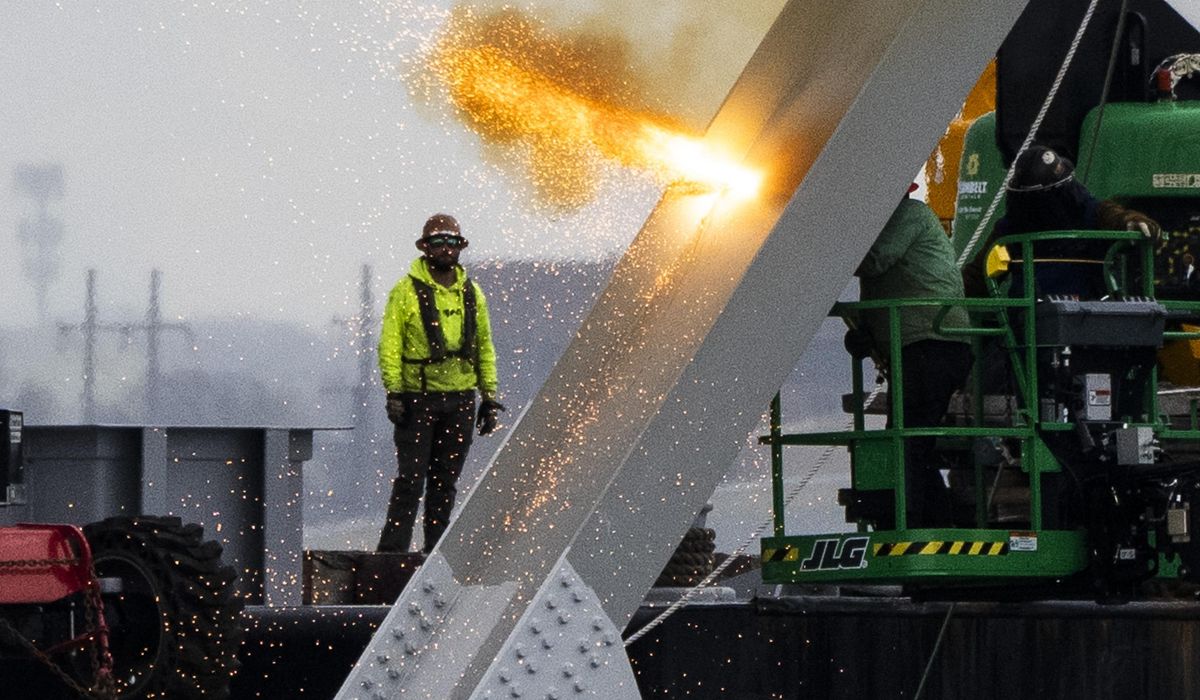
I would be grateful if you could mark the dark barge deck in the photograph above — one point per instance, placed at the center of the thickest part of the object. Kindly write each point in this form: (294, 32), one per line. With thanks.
(816, 647)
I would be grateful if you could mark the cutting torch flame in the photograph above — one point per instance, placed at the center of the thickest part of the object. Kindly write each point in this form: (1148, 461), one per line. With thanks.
(506, 101)
(694, 164)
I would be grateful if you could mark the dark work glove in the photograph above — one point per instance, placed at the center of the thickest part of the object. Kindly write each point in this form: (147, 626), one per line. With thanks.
(1137, 221)
(1114, 216)
(487, 419)
(395, 407)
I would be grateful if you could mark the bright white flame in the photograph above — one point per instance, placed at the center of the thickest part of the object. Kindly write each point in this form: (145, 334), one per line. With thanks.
(692, 161)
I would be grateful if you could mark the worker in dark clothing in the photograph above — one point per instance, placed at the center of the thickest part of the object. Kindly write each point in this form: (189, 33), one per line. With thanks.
(435, 350)
(1044, 195)
(913, 258)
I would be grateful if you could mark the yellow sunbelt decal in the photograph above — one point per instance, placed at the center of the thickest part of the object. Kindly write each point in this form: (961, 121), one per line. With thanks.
(978, 549)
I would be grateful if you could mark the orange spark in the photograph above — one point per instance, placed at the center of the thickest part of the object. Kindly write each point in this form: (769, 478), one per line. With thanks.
(490, 75)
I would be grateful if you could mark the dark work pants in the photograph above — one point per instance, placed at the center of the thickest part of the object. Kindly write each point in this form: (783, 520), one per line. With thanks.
(431, 447)
(933, 371)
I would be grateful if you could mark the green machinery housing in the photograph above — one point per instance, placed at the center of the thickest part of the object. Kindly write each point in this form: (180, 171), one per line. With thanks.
(1080, 466)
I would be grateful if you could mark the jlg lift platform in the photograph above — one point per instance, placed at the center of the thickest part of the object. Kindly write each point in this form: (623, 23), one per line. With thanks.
(1101, 498)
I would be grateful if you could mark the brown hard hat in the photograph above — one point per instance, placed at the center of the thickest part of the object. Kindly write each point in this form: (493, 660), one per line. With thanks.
(441, 223)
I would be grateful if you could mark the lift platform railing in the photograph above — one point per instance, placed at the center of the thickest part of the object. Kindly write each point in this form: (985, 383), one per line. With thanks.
(1007, 315)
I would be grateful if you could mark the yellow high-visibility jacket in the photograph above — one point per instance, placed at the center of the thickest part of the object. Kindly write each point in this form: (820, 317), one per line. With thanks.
(403, 343)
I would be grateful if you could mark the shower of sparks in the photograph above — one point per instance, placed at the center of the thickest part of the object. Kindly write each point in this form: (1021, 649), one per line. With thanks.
(515, 85)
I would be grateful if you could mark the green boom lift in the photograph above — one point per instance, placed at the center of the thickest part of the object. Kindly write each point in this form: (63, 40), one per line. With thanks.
(1073, 471)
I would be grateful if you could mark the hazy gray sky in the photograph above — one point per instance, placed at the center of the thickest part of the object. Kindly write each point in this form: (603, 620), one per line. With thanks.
(259, 151)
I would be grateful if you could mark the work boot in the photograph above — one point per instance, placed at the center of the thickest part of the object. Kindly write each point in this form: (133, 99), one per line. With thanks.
(401, 515)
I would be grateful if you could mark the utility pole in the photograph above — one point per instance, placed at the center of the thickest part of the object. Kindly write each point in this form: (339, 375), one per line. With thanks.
(363, 327)
(41, 234)
(363, 337)
(89, 349)
(153, 327)
(88, 328)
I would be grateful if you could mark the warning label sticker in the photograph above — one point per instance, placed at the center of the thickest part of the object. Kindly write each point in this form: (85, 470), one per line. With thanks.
(1022, 541)
(1175, 180)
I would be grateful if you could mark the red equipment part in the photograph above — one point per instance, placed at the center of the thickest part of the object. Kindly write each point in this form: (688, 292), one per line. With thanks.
(43, 563)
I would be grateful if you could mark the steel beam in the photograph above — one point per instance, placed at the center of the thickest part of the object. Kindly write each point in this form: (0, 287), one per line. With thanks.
(1188, 9)
(706, 315)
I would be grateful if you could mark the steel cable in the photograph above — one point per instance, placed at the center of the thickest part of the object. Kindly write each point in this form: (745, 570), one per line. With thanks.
(933, 655)
(757, 533)
(691, 593)
(1033, 129)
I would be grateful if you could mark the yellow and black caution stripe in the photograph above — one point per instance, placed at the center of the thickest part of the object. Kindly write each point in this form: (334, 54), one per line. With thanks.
(784, 553)
(973, 549)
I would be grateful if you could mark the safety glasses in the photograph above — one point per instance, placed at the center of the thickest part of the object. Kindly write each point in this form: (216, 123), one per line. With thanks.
(439, 240)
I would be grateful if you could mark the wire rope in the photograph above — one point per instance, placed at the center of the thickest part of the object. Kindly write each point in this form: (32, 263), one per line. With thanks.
(1033, 129)
(692, 592)
(937, 646)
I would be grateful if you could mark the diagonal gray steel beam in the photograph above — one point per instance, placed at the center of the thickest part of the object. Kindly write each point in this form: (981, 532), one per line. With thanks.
(706, 315)
(1188, 9)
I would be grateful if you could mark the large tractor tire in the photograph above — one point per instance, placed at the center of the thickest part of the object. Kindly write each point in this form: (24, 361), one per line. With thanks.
(175, 621)
(692, 560)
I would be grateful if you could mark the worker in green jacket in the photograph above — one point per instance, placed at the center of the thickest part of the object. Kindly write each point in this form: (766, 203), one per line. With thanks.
(435, 350)
(913, 259)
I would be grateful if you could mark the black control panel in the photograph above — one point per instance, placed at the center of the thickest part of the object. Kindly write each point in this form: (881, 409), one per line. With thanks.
(12, 458)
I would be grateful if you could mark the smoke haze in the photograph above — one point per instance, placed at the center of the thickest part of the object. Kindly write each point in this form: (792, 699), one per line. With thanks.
(259, 153)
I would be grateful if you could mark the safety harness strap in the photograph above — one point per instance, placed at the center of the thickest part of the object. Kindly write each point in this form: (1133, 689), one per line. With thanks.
(431, 320)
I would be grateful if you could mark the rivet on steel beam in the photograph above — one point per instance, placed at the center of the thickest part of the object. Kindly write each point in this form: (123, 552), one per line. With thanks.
(410, 648)
(579, 686)
(566, 581)
(520, 650)
(414, 608)
(530, 667)
(393, 673)
(568, 669)
(439, 601)
(594, 661)
(547, 643)
(563, 618)
(381, 659)
(597, 624)
(584, 645)
(429, 587)
(535, 626)
(367, 684)
(505, 676)
(515, 691)
(425, 624)
(397, 634)
(552, 694)
(551, 603)
(577, 596)
(608, 639)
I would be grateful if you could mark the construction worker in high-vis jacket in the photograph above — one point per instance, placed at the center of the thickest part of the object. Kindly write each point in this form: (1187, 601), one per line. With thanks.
(435, 350)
